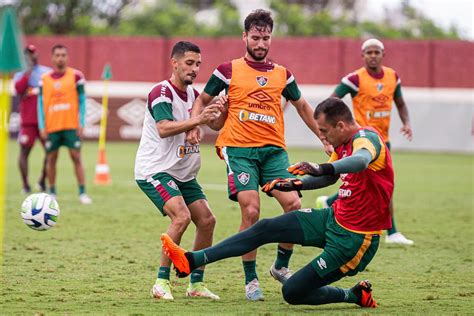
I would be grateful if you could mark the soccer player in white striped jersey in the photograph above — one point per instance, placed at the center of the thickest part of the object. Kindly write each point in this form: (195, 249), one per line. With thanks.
(166, 165)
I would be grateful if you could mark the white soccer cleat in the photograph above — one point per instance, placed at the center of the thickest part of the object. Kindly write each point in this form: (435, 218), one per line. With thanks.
(199, 289)
(281, 275)
(162, 290)
(85, 199)
(399, 239)
(253, 291)
(322, 201)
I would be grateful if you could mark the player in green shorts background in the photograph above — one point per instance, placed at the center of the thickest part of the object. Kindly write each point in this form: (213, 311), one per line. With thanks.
(348, 232)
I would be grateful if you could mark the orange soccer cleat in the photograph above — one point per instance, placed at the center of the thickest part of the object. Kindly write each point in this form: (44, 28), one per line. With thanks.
(363, 290)
(177, 255)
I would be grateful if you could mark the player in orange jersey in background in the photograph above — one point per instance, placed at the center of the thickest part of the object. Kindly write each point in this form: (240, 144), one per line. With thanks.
(251, 138)
(61, 117)
(373, 89)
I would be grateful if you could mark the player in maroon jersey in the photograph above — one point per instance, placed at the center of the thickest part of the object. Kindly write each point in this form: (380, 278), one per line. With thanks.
(26, 86)
(348, 232)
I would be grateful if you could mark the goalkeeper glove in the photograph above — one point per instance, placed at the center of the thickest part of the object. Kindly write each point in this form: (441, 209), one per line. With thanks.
(284, 185)
(312, 169)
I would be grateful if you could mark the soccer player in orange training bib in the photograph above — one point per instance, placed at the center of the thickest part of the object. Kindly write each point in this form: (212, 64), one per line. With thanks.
(61, 117)
(348, 232)
(373, 89)
(251, 138)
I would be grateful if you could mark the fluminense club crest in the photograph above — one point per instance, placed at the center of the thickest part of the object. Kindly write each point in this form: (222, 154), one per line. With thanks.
(262, 81)
(172, 185)
(379, 86)
(244, 178)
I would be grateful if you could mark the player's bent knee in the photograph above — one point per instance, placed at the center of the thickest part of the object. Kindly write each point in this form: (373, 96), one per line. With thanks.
(207, 223)
(290, 295)
(251, 215)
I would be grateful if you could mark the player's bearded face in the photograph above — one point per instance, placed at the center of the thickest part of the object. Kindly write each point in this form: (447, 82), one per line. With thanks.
(188, 67)
(258, 43)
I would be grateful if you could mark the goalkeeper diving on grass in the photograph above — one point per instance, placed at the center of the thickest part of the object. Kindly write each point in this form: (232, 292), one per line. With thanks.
(348, 232)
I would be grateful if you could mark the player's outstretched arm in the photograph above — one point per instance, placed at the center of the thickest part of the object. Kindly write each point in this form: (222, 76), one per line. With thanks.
(306, 113)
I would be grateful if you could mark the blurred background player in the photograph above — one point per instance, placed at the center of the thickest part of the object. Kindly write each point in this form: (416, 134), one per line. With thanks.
(348, 232)
(251, 138)
(61, 117)
(373, 88)
(26, 86)
(166, 166)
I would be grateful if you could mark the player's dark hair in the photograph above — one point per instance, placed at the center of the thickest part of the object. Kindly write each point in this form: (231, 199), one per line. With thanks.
(58, 46)
(180, 48)
(335, 110)
(259, 19)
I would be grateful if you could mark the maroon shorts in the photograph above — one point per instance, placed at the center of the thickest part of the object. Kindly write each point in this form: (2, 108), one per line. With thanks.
(28, 135)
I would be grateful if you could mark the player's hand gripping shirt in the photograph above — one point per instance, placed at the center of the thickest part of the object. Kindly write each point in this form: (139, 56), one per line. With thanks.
(372, 97)
(364, 197)
(172, 154)
(255, 116)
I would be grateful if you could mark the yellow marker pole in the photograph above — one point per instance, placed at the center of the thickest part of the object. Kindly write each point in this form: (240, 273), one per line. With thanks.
(4, 111)
(102, 170)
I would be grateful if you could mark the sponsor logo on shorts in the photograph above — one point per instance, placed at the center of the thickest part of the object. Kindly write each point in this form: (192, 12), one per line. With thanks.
(172, 184)
(305, 210)
(48, 144)
(77, 144)
(262, 81)
(243, 178)
(245, 116)
(321, 263)
(186, 150)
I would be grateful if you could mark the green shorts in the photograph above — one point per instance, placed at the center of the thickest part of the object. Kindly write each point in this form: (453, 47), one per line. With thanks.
(344, 252)
(162, 187)
(67, 138)
(247, 168)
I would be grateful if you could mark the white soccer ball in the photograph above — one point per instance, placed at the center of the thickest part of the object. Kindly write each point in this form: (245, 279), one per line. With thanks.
(40, 211)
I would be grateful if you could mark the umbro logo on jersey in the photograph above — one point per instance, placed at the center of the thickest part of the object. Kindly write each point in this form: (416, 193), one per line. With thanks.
(262, 81)
(321, 263)
(243, 178)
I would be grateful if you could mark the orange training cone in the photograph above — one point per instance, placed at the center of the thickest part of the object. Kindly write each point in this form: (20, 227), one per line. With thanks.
(102, 170)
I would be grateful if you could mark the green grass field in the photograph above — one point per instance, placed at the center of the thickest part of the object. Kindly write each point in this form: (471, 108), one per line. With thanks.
(101, 259)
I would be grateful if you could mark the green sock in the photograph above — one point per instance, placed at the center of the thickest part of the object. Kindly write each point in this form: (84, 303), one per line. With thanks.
(164, 273)
(250, 270)
(283, 257)
(82, 189)
(52, 190)
(350, 296)
(332, 199)
(392, 230)
(197, 276)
